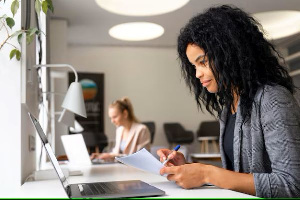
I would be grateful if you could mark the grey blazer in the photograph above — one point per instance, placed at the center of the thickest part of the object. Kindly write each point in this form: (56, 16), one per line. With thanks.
(268, 144)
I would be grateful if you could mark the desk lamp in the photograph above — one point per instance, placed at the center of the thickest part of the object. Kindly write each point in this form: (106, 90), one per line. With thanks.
(73, 102)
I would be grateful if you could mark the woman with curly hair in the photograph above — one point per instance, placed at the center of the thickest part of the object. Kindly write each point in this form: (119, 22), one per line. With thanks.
(234, 71)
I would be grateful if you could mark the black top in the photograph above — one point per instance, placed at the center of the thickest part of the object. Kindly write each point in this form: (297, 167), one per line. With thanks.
(228, 140)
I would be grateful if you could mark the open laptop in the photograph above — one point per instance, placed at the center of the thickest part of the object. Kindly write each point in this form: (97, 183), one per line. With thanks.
(115, 189)
(76, 151)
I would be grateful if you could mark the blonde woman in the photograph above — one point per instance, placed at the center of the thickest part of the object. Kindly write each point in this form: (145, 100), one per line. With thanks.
(131, 136)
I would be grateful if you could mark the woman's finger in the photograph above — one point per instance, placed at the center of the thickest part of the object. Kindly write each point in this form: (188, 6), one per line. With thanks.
(168, 170)
(169, 164)
(93, 155)
(162, 153)
(171, 177)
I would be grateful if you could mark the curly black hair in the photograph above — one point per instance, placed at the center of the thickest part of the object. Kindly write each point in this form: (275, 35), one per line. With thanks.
(242, 58)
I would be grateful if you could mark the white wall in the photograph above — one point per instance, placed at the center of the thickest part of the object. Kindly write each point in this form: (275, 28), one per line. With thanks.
(150, 77)
(17, 162)
(10, 118)
(58, 41)
(59, 80)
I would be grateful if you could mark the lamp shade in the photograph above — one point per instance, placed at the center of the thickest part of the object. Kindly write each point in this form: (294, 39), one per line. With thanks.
(74, 101)
(67, 118)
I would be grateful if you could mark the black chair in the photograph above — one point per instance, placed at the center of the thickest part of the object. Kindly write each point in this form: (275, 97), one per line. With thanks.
(151, 126)
(94, 142)
(176, 134)
(209, 132)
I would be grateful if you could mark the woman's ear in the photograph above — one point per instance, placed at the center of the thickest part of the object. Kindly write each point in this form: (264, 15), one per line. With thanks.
(125, 114)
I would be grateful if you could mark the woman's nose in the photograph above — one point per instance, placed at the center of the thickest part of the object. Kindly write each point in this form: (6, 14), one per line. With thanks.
(199, 72)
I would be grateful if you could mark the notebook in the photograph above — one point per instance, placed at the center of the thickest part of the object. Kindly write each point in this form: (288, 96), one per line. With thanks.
(115, 189)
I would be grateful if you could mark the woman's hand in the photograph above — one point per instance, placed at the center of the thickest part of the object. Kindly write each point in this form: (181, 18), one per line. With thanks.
(186, 176)
(103, 156)
(94, 156)
(176, 158)
(106, 156)
(196, 174)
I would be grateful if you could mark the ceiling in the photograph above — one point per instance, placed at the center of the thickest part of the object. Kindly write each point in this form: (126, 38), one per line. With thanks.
(88, 24)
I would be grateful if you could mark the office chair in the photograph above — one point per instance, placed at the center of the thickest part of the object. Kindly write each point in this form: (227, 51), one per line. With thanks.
(151, 126)
(176, 134)
(209, 132)
(95, 142)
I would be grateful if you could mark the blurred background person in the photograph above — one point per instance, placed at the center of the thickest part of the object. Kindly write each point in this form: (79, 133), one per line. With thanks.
(131, 135)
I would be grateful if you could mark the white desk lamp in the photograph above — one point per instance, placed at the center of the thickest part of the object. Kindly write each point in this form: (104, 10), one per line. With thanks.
(77, 129)
(295, 72)
(73, 102)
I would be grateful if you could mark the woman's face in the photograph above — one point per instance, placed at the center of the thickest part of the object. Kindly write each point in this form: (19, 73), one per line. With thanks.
(117, 117)
(197, 58)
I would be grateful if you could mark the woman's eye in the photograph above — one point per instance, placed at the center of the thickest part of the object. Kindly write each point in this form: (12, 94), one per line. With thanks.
(202, 62)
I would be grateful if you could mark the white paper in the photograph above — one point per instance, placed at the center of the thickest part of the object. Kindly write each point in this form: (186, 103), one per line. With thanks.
(142, 160)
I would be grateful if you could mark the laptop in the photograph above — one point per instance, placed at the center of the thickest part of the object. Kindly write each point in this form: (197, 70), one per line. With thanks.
(115, 189)
(76, 151)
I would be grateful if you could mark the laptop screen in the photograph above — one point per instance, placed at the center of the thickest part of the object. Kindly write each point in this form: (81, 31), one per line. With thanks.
(49, 151)
(76, 150)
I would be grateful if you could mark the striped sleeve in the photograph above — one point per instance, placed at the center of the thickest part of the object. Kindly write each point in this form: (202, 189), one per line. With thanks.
(280, 122)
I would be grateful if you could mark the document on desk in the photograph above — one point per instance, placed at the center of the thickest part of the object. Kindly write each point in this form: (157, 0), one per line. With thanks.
(142, 160)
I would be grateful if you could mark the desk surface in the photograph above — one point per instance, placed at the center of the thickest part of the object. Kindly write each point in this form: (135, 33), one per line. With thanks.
(115, 172)
(205, 155)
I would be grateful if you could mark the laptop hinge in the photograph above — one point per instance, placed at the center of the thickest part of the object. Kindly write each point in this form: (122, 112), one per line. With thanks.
(68, 190)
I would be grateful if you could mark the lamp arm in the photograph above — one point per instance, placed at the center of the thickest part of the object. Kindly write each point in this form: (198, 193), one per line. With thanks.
(295, 72)
(60, 65)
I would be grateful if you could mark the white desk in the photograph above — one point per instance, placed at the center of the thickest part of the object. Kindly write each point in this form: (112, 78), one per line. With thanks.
(114, 172)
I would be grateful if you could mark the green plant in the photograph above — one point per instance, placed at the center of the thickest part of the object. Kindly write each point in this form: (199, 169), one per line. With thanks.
(7, 23)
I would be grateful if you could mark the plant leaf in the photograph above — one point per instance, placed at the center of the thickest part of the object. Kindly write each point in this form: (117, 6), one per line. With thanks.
(32, 31)
(18, 54)
(14, 7)
(12, 53)
(45, 6)
(20, 38)
(29, 38)
(37, 7)
(50, 5)
(38, 32)
(10, 22)
(16, 33)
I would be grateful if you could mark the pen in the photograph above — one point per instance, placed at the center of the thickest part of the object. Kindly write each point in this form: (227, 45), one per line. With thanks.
(175, 149)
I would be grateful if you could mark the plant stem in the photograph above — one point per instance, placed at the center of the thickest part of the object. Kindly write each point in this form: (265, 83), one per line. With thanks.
(2, 25)
(12, 45)
(5, 41)
(6, 29)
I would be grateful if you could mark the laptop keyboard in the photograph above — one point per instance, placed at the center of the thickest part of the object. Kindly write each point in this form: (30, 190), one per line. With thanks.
(97, 188)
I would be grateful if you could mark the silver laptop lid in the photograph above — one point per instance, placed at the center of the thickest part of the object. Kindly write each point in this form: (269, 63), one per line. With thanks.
(49, 151)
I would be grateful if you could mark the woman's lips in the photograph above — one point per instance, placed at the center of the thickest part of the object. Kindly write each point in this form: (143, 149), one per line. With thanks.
(205, 83)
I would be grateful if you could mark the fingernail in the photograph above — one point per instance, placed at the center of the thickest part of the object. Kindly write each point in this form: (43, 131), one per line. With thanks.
(164, 158)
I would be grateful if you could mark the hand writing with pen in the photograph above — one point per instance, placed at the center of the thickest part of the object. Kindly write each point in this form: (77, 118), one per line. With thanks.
(186, 175)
